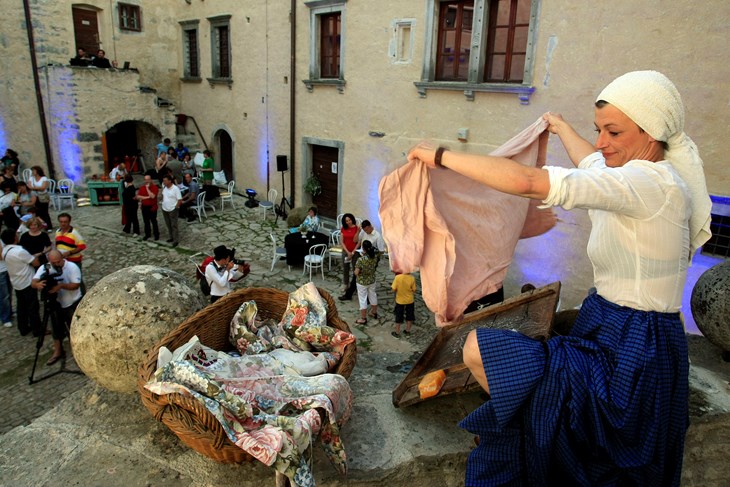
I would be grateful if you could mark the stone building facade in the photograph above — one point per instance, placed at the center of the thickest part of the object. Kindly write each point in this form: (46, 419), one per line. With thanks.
(343, 88)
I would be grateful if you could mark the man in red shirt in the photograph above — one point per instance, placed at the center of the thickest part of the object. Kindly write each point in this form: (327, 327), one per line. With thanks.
(147, 195)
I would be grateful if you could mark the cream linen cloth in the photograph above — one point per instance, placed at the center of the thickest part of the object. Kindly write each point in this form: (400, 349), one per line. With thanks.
(458, 232)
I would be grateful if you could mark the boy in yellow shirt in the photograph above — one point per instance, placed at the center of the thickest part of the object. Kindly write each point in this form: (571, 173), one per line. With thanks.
(404, 286)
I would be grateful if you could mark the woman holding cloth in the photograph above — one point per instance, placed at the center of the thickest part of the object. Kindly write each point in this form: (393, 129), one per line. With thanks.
(606, 404)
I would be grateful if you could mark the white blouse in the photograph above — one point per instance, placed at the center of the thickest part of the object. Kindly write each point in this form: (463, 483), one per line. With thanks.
(639, 243)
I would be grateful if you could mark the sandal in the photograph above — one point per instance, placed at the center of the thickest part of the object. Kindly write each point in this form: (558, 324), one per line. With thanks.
(361, 321)
(397, 335)
(407, 332)
(374, 316)
(55, 359)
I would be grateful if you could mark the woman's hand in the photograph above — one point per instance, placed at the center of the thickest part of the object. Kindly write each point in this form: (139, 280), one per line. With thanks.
(424, 152)
(555, 121)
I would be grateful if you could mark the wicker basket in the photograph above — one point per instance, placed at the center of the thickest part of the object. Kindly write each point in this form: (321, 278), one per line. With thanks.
(183, 414)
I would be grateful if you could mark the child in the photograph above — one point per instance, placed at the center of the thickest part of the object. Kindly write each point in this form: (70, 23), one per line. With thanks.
(365, 277)
(404, 286)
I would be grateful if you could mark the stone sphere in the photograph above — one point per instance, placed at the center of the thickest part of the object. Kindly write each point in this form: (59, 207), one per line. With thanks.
(123, 316)
(711, 304)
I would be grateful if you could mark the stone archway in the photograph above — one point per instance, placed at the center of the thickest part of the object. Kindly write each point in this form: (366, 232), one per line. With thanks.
(130, 138)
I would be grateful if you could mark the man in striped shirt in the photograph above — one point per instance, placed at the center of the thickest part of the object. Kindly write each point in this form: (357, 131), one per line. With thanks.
(69, 241)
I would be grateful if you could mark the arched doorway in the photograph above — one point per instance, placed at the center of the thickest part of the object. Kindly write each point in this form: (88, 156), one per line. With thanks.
(130, 138)
(225, 153)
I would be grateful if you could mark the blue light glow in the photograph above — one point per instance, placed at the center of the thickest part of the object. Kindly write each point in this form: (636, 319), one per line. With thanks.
(65, 131)
(3, 138)
(262, 165)
(374, 170)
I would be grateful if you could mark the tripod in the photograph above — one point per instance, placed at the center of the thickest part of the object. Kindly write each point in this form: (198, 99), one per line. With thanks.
(280, 209)
(49, 313)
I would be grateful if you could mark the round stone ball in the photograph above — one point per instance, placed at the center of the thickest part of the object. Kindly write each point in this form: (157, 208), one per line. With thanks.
(123, 316)
(711, 304)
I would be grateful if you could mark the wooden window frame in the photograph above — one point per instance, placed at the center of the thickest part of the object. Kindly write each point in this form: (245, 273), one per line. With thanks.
(220, 50)
(509, 51)
(448, 63)
(432, 74)
(326, 60)
(125, 9)
(330, 29)
(191, 50)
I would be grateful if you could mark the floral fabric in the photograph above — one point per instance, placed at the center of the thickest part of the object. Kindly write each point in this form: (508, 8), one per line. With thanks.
(367, 268)
(269, 400)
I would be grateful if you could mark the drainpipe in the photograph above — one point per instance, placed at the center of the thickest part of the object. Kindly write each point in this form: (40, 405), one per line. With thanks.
(38, 95)
(292, 96)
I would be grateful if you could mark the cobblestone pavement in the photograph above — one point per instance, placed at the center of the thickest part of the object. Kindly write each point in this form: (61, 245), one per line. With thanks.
(109, 249)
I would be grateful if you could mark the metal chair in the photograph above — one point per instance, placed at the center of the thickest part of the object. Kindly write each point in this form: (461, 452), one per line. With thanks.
(65, 193)
(199, 206)
(269, 203)
(279, 252)
(315, 259)
(335, 247)
(228, 195)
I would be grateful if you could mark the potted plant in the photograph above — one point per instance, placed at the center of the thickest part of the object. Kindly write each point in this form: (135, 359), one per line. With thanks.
(313, 186)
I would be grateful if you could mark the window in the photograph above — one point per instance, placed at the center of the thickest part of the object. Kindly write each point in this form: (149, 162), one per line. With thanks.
(191, 55)
(326, 43)
(130, 17)
(401, 47)
(220, 43)
(329, 46)
(480, 45)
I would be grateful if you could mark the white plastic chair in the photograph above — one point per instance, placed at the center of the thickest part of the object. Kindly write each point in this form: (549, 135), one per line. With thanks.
(269, 203)
(51, 190)
(65, 193)
(199, 206)
(338, 221)
(315, 259)
(228, 195)
(335, 247)
(279, 252)
(26, 175)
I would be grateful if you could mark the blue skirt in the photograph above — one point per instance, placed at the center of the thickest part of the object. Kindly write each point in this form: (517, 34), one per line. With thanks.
(605, 405)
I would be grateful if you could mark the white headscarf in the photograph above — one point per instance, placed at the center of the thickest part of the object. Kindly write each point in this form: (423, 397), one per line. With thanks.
(652, 101)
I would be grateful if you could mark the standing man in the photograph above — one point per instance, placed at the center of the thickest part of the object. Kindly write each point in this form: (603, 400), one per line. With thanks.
(206, 170)
(171, 201)
(162, 147)
(20, 271)
(220, 273)
(368, 233)
(64, 296)
(147, 195)
(129, 205)
(69, 241)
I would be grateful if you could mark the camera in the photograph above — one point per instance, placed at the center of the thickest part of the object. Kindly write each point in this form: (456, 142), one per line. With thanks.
(50, 280)
(233, 258)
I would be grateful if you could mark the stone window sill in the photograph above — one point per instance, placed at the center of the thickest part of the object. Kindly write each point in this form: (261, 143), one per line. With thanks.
(220, 81)
(311, 83)
(191, 79)
(523, 92)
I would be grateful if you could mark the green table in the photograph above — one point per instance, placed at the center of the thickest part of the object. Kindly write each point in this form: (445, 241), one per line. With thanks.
(98, 190)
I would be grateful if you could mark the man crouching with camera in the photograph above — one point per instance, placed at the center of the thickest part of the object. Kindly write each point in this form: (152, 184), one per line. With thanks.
(224, 270)
(60, 284)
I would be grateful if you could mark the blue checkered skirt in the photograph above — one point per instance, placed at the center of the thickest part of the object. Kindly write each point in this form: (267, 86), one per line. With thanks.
(605, 405)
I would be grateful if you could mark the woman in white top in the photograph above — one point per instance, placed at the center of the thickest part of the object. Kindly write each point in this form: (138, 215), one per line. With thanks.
(38, 183)
(606, 404)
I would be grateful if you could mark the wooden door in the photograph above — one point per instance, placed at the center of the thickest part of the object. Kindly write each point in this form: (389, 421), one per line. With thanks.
(325, 167)
(86, 30)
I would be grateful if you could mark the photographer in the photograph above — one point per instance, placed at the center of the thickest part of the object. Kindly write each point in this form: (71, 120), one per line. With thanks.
(221, 273)
(59, 282)
(20, 265)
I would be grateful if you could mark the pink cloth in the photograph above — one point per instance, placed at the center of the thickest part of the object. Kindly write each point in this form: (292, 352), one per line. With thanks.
(460, 233)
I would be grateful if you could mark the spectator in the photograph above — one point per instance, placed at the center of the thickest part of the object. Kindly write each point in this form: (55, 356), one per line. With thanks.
(162, 147)
(64, 297)
(206, 171)
(7, 208)
(9, 178)
(187, 165)
(119, 172)
(81, 59)
(221, 273)
(171, 201)
(161, 166)
(6, 297)
(181, 151)
(147, 195)
(24, 199)
(129, 206)
(367, 233)
(404, 286)
(10, 159)
(190, 198)
(100, 61)
(38, 183)
(365, 275)
(69, 241)
(311, 222)
(20, 271)
(35, 241)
